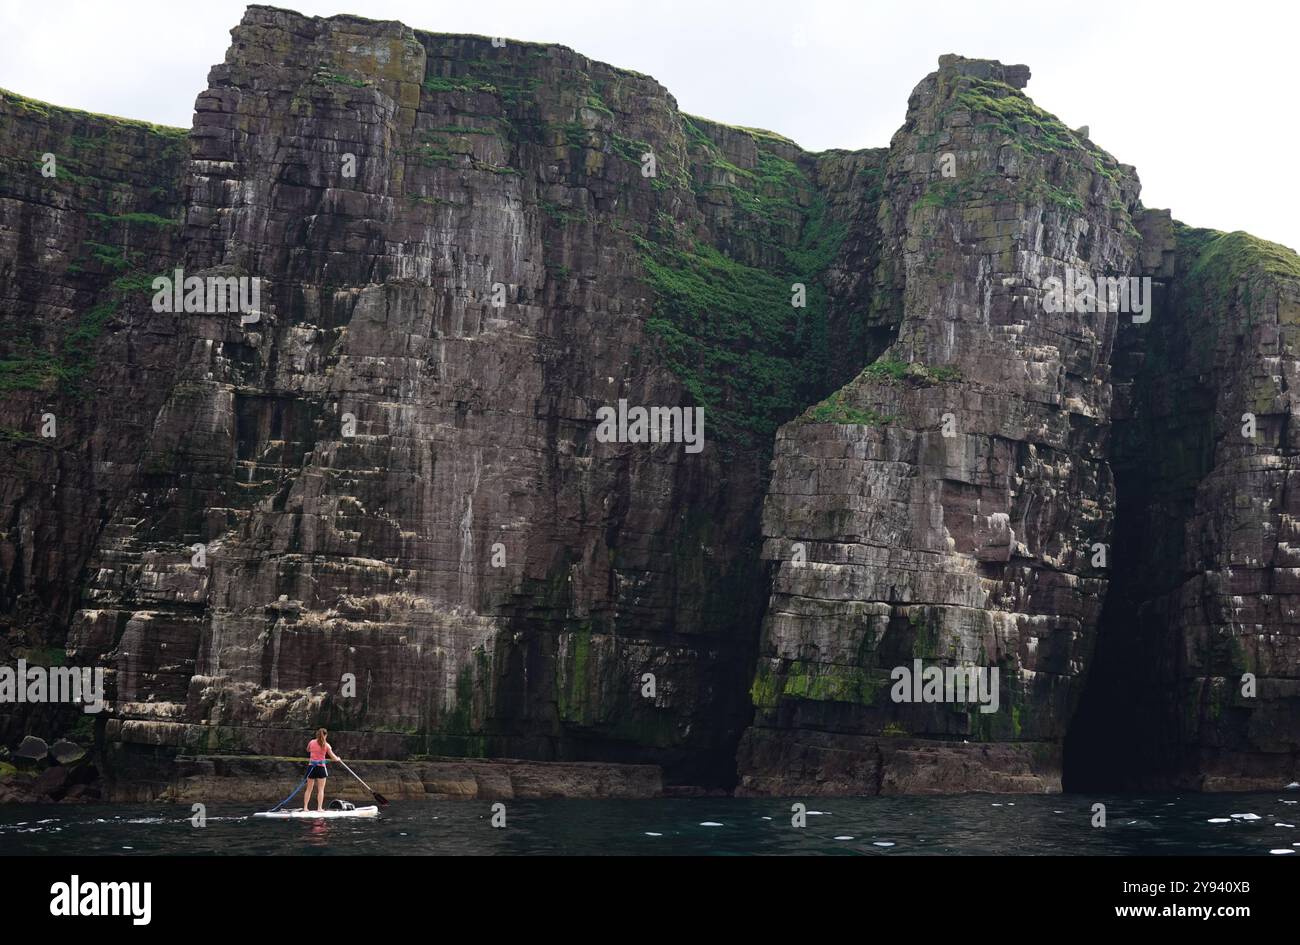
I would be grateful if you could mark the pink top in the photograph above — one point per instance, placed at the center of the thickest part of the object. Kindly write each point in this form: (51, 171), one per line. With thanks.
(316, 752)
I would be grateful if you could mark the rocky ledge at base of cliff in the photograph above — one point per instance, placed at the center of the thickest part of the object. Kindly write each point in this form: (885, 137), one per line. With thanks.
(211, 779)
(221, 778)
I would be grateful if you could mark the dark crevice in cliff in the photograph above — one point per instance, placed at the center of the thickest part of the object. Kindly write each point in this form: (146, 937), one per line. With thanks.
(1201, 522)
(1108, 746)
(1156, 461)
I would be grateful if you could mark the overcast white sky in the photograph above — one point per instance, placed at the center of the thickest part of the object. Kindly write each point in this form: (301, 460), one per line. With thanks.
(1200, 97)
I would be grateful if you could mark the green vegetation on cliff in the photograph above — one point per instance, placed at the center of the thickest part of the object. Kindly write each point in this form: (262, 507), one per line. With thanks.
(834, 409)
(723, 311)
(70, 360)
(1029, 127)
(46, 110)
(1034, 131)
(891, 369)
(814, 681)
(727, 325)
(845, 406)
(1221, 260)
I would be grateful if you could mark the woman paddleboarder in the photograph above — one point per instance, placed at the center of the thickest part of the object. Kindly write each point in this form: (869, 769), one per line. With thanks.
(318, 749)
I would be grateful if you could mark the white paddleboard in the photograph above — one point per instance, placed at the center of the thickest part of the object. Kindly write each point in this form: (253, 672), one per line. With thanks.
(299, 813)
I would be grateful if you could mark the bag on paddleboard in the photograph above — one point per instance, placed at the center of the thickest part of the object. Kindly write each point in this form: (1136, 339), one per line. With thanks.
(337, 804)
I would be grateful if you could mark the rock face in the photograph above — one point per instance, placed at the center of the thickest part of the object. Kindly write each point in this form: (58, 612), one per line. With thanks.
(1197, 678)
(375, 495)
(944, 504)
(79, 358)
(381, 505)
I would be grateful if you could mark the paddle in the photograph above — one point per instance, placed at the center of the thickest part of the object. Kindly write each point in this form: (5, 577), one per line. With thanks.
(383, 801)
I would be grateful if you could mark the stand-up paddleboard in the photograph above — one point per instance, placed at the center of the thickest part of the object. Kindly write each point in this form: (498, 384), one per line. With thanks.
(318, 814)
(337, 808)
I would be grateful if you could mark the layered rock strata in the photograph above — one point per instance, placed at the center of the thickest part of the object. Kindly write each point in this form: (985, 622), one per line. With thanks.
(1197, 679)
(377, 497)
(945, 504)
(379, 501)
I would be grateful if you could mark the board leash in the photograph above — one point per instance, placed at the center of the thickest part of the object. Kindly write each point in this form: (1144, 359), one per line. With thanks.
(294, 794)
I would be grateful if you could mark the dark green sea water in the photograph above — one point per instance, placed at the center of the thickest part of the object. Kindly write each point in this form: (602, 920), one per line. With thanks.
(873, 826)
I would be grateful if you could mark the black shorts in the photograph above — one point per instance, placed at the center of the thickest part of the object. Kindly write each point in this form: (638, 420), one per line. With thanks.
(317, 772)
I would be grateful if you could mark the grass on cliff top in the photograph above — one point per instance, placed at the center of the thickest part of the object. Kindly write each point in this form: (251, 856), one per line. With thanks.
(758, 134)
(444, 40)
(1229, 271)
(1012, 109)
(1221, 259)
(45, 109)
(447, 45)
(1030, 128)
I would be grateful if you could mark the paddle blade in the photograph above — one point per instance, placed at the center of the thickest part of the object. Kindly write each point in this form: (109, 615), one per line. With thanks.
(383, 801)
